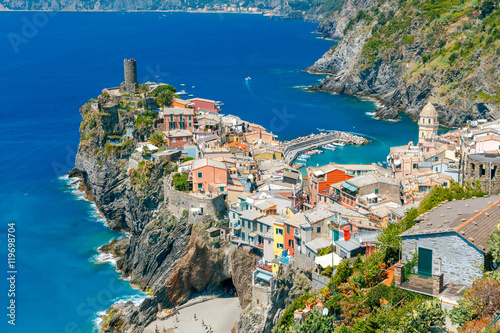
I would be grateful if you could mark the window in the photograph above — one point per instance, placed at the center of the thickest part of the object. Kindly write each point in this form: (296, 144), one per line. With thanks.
(180, 117)
(189, 124)
(261, 228)
(200, 174)
(189, 119)
(288, 229)
(243, 236)
(171, 117)
(376, 191)
(171, 125)
(415, 165)
(279, 231)
(184, 139)
(234, 215)
(200, 185)
(222, 188)
(181, 126)
(249, 224)
(290, 242)
(318, 229)
(280, 246)
(174, 140)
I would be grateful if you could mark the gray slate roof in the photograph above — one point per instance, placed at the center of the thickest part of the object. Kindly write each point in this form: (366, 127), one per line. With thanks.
(473, 219)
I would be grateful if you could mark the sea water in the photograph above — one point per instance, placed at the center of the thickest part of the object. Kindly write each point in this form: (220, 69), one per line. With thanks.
(50, 65)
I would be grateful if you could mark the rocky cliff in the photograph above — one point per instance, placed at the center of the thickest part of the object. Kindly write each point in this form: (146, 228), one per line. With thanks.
(167, 256)
(407, 53)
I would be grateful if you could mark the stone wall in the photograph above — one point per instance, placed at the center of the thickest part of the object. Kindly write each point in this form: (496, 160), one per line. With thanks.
(475, 170)
(178, 202)
(460, 262)
(319, 281)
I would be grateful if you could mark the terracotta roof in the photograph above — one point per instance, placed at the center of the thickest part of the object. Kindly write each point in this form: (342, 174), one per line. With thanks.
(176, 110)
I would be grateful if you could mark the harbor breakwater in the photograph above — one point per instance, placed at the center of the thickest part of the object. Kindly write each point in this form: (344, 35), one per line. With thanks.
(296, 146)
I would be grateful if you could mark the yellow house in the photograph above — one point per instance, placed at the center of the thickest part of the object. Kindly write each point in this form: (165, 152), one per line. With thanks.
(279, 241)
(289, 212)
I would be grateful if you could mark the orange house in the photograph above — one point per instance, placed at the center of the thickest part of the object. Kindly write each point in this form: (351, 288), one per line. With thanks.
(320, 179)
(209, 176)
(238, 145)
(292, 224)
(180, 103)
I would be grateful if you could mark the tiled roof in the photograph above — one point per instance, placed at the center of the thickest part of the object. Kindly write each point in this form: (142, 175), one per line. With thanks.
(372, 178)
(473, 219)
(176, 111)
(205, 161)
(250, 214)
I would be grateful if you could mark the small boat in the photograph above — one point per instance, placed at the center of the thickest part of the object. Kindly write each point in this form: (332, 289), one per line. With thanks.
(329, 147)
(341, 144)
(248, 78)
(182, 84)
(301, 159)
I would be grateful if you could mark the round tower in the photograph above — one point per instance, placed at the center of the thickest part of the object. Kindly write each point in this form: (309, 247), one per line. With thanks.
(130, 71)
(428, 123)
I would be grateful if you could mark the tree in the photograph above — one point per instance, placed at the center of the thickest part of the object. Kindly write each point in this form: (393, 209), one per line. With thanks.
(487, 7)
(143, 88)
(157, 139)
(187, 159)
(494, 243)
(423, 317)
(180, 182)
(164, 94)
(461, 314)
(342, 273)
(483, 298)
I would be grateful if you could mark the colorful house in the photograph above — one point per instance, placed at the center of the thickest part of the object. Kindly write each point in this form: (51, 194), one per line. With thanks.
(320, 179)
(209, 176)
(178, 118)
(202, 104)
(279, 241)
(180, 103)
(178, 138)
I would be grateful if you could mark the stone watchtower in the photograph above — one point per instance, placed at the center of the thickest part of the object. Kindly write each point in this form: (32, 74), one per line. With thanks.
(428, 123)
(130, 71)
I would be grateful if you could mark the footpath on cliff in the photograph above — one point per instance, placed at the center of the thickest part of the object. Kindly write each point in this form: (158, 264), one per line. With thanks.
(219, 313)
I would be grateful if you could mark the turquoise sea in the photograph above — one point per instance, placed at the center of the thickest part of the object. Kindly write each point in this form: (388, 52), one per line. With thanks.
(52, 64)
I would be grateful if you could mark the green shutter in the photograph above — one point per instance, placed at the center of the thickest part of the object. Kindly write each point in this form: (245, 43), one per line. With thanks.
(424, 262)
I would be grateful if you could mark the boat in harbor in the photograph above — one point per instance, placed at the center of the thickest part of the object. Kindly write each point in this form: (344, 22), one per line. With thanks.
(329, 147)
(321, 129)
(340, 144)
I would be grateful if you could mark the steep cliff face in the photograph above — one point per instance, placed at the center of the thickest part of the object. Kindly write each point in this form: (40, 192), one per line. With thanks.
(290, 283)
(406, 54)
(166, 255)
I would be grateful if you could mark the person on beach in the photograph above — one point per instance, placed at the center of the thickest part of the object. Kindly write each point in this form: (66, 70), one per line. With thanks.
(195, 317)
(202, 322)
(176, 318)
(156, 329)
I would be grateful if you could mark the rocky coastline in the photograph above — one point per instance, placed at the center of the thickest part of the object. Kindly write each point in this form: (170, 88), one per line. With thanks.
(402, 78)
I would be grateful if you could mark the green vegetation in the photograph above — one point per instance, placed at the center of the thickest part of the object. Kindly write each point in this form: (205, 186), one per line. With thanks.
(389, 236)
(187, 159)
(180, 182)
(164, 94)
(145, 119)
(157, 139)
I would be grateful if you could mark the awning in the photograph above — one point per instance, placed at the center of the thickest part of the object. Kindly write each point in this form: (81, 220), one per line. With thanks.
(264, 276)
(350, 187)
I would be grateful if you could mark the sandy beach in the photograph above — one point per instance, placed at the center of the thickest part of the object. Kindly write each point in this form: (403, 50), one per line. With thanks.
(220, 313)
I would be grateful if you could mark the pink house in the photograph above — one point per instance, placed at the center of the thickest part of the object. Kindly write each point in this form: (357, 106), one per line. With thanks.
(178, 138)
(209, 176)
(202, 104)
(176, 118)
